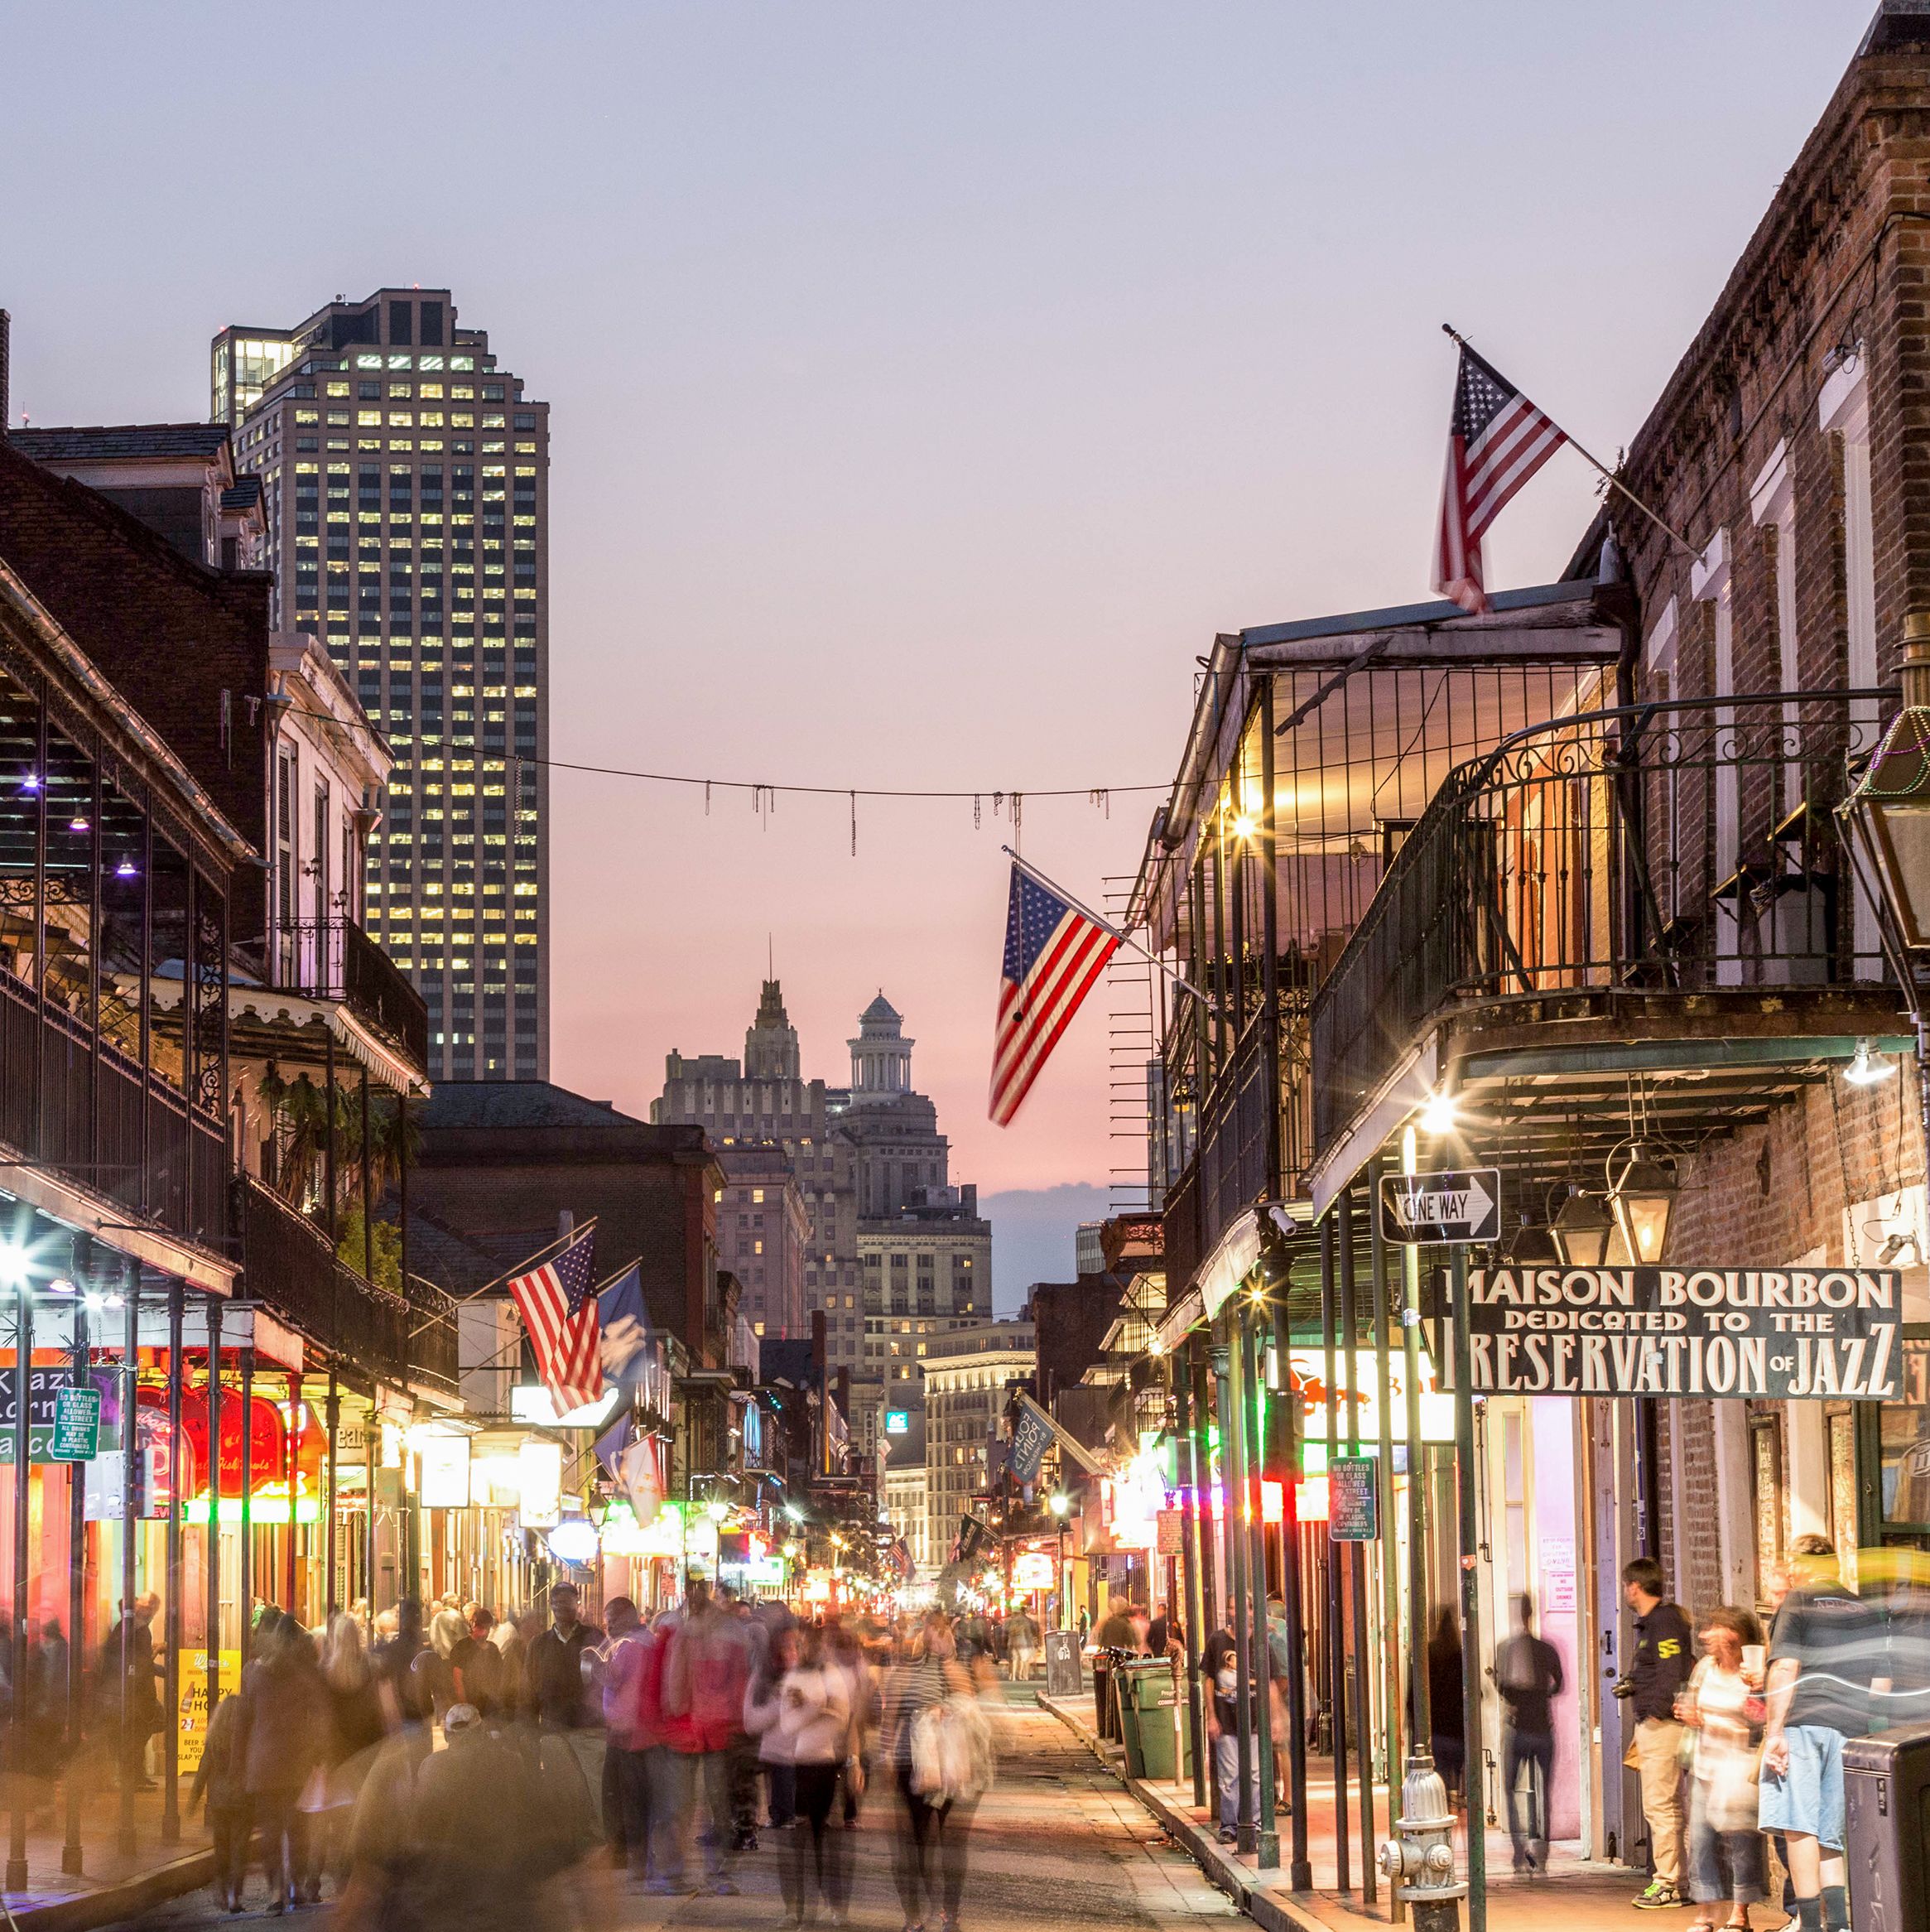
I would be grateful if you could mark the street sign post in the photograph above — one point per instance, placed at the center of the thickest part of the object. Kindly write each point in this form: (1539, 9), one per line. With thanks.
(1454, 1206)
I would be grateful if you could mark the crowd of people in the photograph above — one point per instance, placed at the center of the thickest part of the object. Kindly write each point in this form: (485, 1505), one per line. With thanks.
(457, 1764)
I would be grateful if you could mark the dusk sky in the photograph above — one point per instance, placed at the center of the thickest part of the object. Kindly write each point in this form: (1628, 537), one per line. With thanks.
(929, 384)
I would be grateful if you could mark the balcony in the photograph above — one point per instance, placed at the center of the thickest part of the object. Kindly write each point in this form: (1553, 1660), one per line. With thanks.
(289, 1266)
(1652, 894)
(335, 960)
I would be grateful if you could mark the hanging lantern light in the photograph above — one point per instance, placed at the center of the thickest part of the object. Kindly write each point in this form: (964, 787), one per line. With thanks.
(1888, 812)
(1581, 1231)
(1532, 1245)
(1643, 1196)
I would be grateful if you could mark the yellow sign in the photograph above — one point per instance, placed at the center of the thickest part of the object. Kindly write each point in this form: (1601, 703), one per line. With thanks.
(194, 1707)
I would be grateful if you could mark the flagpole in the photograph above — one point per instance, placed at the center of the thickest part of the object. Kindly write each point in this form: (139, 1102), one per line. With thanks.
(1185, 985)
(535, 1260)
(1608, 475)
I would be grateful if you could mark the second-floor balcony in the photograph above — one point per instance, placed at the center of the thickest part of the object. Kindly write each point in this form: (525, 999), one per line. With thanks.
(291, 1268)
(334, 961)
(1641, 907)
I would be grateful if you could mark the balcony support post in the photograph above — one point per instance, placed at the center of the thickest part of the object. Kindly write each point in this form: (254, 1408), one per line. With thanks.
(21, 1797)
(1253, 1531)
(288, 1470)
(368, 1192)
(1192, 1495)
(130, 1748)
(80, 1368)
(334, 1412)
(1284, 1422)
(170, 1789)
(1466, 1480)
(1233, 1487)
(1356, 1553)
(248, 1500)
(1337, 1612)
(1388, 1526)
(329, 1149)
(211, 1647)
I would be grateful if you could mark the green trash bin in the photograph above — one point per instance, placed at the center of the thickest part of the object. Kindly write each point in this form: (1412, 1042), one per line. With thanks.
(1138, 1686)
(1159, 1740)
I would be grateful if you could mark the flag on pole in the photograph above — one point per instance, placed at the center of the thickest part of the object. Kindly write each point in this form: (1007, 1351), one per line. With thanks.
(1496, 440)
(559, 1311)
(1054, 955)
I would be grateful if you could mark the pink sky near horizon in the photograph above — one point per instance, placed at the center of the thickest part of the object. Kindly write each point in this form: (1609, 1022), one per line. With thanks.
(928, 387)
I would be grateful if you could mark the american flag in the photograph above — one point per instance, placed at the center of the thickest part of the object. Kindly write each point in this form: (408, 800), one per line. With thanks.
(559, 1311)
(1054, 954)
(1496, 439)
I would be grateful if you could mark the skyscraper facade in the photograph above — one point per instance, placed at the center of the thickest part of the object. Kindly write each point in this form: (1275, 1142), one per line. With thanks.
(406, 480)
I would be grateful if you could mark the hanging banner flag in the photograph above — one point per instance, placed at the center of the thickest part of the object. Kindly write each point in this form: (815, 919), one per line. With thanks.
(1827, 1333)
(1032, 1434)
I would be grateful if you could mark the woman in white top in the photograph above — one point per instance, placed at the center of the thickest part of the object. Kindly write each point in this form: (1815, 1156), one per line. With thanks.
(814, 1717)
(761, 1709)
(1723, 1705)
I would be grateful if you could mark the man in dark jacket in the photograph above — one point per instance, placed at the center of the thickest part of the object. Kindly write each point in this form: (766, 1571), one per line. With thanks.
(1664, 1655)
(557, 1693)
(127, 1670)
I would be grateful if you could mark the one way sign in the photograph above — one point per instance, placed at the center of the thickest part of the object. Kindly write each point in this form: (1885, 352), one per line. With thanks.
(1464, 1206)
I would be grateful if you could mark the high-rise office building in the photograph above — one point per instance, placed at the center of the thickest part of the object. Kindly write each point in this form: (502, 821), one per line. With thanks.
(406, 480)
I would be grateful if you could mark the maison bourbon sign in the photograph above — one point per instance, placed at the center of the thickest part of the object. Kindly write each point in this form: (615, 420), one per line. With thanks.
(1825, 1333)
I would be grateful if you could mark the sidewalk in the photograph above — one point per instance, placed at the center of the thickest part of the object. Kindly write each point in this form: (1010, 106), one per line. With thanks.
(113, 1887)
(1586, 1897)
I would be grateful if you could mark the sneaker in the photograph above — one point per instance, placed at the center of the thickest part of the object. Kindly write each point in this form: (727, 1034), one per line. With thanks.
(1658, 1898)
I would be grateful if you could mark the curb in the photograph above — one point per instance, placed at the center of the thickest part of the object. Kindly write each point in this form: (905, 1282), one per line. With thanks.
(127, 1898)
(1262, 1904)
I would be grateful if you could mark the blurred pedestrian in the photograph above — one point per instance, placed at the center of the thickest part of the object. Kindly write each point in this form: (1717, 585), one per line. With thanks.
(1022, 1644)
(393, 1660)
(626, 1756)
(478, 1666)
(1447, 1736)
(354, 1728)
(705, 1675)
(1220, 1671)
(555, 1690)
(133, 1704)
(285, 1711)
(1116, 1632)
(1528, 1673)
(1722, 1705)
(1822, 1651)
(814, 1719)
(762, 1707)
(938, 1745)
(219, 1778)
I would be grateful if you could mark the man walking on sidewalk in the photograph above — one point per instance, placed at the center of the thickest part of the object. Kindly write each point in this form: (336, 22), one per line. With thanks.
(1664, 1646)
(1528, 1673)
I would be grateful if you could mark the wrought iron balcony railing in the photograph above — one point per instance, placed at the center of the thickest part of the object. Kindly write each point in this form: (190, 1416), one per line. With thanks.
(1685, 845)
(335, 958)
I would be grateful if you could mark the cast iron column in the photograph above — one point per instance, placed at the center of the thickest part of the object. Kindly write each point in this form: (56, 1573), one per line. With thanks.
(130, 1485)
(22, 1504)
(248, 1496)
(79, 1373)
(1356, 1554)
(1252, 1528)
(1191, 1490)
(1287, 1431)
(1336, 1640)
(1232, 1492)
(171, 1730)
(212, 1657)
(1470, 1599)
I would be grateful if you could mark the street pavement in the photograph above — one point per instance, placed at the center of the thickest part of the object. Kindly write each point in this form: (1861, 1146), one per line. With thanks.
(1056, 1842)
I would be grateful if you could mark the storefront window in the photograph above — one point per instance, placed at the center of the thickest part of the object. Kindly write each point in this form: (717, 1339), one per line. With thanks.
(1904, 1441)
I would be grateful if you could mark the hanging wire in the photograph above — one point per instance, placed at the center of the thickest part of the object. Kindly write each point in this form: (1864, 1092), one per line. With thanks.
(755, 786)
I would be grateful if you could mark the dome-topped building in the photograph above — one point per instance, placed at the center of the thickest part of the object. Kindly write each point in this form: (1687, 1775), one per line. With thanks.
(881, 1056)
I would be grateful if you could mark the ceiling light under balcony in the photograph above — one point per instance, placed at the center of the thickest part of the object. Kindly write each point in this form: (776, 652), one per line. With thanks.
(1868, 1067)
(1438, 1113)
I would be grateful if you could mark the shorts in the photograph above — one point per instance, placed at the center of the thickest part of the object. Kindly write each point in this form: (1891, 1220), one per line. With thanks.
(1808, 1797)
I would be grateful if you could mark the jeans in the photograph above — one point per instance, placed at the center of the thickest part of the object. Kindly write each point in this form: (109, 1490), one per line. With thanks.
(1522, 1751)
(815, 1850)
(675, 1777)
(780, 1794)
(231, 1825)
(1226, 1778)
(1722, 1865)
(929, 1861)
(626, 1812)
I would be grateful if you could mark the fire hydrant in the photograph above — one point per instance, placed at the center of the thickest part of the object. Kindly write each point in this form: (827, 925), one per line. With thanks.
(1421, 1860)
